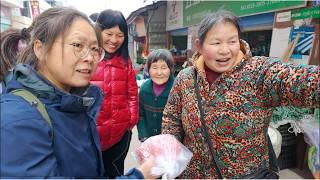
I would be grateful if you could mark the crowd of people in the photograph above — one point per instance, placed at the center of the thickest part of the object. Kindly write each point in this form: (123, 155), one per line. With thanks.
(69, 99)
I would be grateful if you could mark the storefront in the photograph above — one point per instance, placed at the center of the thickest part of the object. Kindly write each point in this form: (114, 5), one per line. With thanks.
(138, 40)
(178, 47)
(177, 34)
(295, 37)
(147, 31)
(256, 19)
(257, 31)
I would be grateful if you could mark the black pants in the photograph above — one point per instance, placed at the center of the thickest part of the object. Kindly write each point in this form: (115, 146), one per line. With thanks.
(113, 158)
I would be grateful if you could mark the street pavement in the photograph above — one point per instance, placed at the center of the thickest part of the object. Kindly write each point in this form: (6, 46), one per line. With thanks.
(130, 162)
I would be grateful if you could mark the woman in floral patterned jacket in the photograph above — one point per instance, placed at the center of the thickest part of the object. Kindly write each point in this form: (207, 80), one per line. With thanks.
(238, 94)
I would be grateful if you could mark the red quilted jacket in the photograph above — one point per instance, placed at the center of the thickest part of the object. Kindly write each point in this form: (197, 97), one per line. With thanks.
(119, 111)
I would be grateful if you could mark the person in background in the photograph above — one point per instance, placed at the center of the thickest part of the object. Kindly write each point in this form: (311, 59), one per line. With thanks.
(116, 77)
(57, 65)
(13, 41)
(232, 95)
(145, 73)
(154, 93)
(188, 61)
(94, 17)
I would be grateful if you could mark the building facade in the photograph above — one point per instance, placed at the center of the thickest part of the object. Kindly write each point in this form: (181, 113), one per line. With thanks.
(19, 13)
(259, 21)
(147, 30)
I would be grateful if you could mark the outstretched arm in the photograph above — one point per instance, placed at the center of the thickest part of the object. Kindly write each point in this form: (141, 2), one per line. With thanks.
(287, 84)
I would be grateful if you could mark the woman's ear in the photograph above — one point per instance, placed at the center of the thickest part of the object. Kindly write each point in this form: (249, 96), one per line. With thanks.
(197, 44)
(38, 49)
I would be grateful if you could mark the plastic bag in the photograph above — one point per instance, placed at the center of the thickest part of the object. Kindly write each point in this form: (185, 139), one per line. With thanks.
(311, 130)
(276, 139)
(171, 156)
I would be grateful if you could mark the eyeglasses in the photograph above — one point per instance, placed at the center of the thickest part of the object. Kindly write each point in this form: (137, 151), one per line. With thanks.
(81, 51)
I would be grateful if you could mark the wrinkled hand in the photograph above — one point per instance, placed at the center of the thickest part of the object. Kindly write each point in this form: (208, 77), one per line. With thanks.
(146, 166)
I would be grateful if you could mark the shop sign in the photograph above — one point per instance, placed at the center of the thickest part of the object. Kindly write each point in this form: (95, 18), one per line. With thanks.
(174, 15)
(306, 35)
(313, 12)
(194, 11)
(302, 48)
(283, 17)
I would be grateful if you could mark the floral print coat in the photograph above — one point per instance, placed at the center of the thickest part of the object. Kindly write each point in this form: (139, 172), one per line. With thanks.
(238, 108)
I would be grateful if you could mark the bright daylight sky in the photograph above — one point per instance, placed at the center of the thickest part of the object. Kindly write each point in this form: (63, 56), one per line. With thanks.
(91, 6)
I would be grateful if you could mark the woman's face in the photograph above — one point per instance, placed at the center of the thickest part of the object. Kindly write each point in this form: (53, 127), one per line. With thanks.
(112, 39)
(62, 65)
(159, 72)
(221, 47)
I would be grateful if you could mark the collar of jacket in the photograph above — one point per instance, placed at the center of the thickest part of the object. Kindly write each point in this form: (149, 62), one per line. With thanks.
(147, 86)
(108, 55)
(79, 99)
(116, 61)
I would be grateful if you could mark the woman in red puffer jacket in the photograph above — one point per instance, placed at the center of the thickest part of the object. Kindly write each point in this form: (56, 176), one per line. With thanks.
(116, 77)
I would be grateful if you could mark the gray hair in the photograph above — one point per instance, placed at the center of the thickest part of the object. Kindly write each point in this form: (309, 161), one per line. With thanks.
(213, 19)
(163, 54)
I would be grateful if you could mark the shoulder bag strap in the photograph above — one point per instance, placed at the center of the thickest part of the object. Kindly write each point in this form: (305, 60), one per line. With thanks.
(204, 128)
(34, 101)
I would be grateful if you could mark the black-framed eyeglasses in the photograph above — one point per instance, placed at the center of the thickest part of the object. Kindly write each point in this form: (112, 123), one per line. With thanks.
(81, 51)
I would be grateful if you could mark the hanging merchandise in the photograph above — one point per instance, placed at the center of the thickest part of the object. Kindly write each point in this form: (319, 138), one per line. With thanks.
(284, 115)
